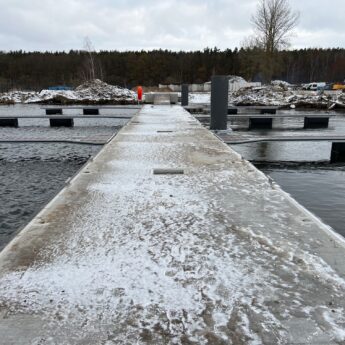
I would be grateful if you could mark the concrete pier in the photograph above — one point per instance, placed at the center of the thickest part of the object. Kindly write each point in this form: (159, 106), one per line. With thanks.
(170, 237)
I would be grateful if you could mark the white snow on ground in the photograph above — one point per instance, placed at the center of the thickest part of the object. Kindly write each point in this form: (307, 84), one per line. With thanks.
(216, 256)
(200, 98)
(233, 79)
(95, 91)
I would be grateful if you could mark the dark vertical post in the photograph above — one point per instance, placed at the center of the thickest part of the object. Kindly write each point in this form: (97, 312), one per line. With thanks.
(219, 102)
(338, 153)
(185, 94)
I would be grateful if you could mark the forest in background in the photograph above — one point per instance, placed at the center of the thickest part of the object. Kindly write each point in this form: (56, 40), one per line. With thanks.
(38, 70)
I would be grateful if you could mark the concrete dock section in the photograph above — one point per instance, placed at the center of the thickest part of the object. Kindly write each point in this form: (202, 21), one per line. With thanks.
(169, 237)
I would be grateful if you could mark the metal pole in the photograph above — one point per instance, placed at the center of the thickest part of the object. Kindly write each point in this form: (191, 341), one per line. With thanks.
(185, 92)
(219, 102)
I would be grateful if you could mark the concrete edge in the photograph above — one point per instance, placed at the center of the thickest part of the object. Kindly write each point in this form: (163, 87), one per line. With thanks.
(318, 221)
(22, 230)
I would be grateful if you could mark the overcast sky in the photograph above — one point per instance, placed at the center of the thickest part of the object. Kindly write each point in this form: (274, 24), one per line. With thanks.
(147, 24)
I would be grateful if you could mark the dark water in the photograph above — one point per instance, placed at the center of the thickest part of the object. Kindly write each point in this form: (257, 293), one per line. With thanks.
(301, 168)
(32, 174)
(25, 188)
(285, 151)
(320, 189)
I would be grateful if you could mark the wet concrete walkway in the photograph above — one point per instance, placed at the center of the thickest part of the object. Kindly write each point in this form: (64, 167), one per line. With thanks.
(217, 255)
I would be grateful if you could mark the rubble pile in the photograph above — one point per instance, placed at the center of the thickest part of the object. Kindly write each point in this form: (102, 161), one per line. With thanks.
(13, 97)
(281, 83)
(281, 94)
(339, 103)
(93, 92)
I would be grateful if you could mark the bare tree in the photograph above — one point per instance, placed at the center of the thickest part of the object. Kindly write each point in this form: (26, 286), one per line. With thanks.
(273, 23)
(90, 63)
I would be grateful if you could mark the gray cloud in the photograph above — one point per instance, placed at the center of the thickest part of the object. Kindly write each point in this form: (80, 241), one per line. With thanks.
(170, 24)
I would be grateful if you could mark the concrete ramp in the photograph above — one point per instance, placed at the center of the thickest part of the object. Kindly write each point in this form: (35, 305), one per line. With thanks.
(169, 237)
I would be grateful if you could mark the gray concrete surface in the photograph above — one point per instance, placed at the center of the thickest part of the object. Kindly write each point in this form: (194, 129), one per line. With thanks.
(217, 255)
(158, 97)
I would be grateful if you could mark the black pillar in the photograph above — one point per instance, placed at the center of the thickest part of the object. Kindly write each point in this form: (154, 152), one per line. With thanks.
(219, 102)
(338, 153)
(185, 95)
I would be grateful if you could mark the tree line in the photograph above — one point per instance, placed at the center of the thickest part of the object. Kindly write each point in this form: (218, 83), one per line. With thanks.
(21, 70)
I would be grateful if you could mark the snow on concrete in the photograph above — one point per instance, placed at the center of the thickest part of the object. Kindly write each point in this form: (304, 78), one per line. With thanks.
(216, 256)
(95, 91)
